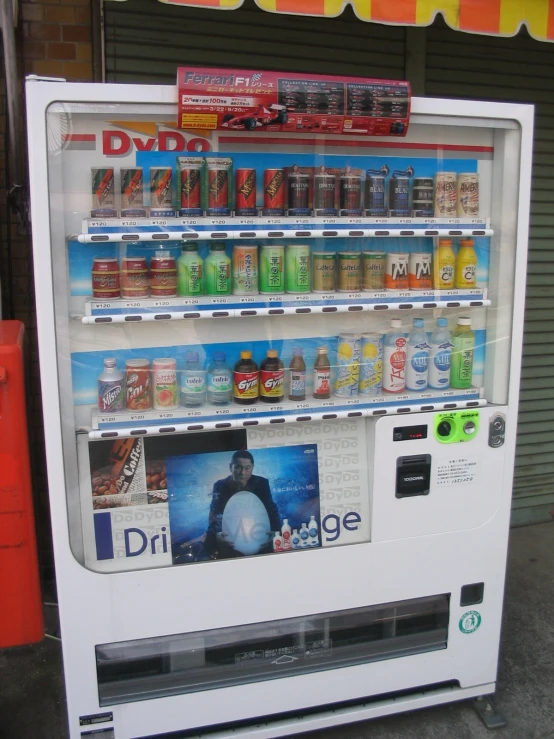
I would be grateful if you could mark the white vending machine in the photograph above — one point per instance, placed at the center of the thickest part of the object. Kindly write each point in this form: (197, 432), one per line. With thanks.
(280, 323)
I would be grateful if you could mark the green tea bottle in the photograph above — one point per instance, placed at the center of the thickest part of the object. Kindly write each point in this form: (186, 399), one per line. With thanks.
(461, 369)
(218, 271)
(190, 271)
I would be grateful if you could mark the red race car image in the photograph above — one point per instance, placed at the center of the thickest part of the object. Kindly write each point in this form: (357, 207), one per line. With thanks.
(260, 116)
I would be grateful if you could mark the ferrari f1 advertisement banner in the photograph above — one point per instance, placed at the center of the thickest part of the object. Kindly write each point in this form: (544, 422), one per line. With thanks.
(246, 100)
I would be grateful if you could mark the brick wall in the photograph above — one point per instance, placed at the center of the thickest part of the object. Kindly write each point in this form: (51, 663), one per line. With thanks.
(54, 39)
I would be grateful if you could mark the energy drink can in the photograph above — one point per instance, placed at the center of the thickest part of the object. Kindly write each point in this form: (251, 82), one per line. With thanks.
(348, 365)
(324, 271)
(132, 196)
(396, 271)
(371, 364)
(245, 189)
(103, 195)
(272, 269)
(349, 271)
(467, 195)
(274, 192)
(298, 194)
(324, 194)
(350, 191)
(420, 276)
(373, 270)
(245, 270)
(297, 269)
(161, 205)
(219, 186)
(189, 185)
(445, 194)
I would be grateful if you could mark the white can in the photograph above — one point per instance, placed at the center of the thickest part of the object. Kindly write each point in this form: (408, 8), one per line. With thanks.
(445, 194)
(467, 195)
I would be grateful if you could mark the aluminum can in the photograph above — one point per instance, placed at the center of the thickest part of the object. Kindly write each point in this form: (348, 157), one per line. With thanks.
(420, 275)
(245, 189)
(423, 194)
(103, 193)
(163, 275)
(139, 388)
(272, 269)
(371, 364)
(350, 192)
(445, 194)
(164, 384)
(348, 365)
(245, 269)
(349, 271)
(396, 271)
(106, 283)
(298, 185)
(399, 197)
(191, 191)
(375, 196)
(467, 195)
(324, 271)
(218, 187)
(161, 179)
(132, 193)
(324, 194)
(274, 192)
(373, 270)
(297, 269)
(134, 277)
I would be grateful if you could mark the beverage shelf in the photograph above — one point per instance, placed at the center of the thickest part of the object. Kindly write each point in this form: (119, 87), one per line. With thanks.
(146, 230)
(100, 312)
(213, 418)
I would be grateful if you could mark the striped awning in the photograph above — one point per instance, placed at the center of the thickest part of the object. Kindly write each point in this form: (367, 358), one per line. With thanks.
(491, 17)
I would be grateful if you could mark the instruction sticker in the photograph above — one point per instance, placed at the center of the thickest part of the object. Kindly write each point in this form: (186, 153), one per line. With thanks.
(456, 471)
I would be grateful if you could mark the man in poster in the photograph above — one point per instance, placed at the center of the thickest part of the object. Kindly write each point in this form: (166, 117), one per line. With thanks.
(240, 479)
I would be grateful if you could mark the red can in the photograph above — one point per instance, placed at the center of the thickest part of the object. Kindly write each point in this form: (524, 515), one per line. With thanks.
(190, 190)
(163, 276)
(218, 190)
(139, 387)
(245, 188)
(274, 192)
(134, 277)
(106, 284)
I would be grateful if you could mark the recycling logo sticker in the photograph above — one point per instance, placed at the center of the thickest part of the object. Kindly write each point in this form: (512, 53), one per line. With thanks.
(470, 622)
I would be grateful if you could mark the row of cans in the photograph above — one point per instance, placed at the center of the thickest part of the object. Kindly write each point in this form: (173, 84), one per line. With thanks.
(205, 185)
(133, 279)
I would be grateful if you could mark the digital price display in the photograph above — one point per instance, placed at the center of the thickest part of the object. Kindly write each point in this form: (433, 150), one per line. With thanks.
(409, 433)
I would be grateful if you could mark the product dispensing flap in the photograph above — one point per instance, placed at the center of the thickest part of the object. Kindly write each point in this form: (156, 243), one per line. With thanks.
(246, 100)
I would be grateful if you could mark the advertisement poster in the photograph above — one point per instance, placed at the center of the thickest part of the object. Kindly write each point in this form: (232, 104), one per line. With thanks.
(226, 505)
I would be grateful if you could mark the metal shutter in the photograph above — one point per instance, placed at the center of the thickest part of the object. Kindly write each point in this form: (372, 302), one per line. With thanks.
(518, 69)
(145, 41)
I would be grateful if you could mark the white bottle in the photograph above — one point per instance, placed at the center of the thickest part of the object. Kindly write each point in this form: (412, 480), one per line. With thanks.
(313, 531)
(304, 537)
(417, 357)
(295, 539)
(394, 358)
(286, 532)
(440, 356)
(277, 542)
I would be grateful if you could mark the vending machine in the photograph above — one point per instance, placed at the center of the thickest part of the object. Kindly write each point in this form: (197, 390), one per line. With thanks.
(280, 323)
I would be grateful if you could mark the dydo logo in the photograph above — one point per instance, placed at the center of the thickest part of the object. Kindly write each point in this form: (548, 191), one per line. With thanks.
(124, 138)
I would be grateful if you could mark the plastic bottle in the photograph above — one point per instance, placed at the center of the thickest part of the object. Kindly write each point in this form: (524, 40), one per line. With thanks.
(461, 370)
(190, 271)
(322, 374)
(111, 388)
(272, 378)
(394, 358)
(245, 380)
(296, 541)
(304, 536)
(277, 542)
(218, 271)
(297, 376)
(219, 381)
(193, 382)
(466, 265)
(313, 531)
(444, 265)
(440, 356)
(286, 534)
(417, 357)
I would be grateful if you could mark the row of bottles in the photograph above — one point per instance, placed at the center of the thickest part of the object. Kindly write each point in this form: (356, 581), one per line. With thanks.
(288, 538)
